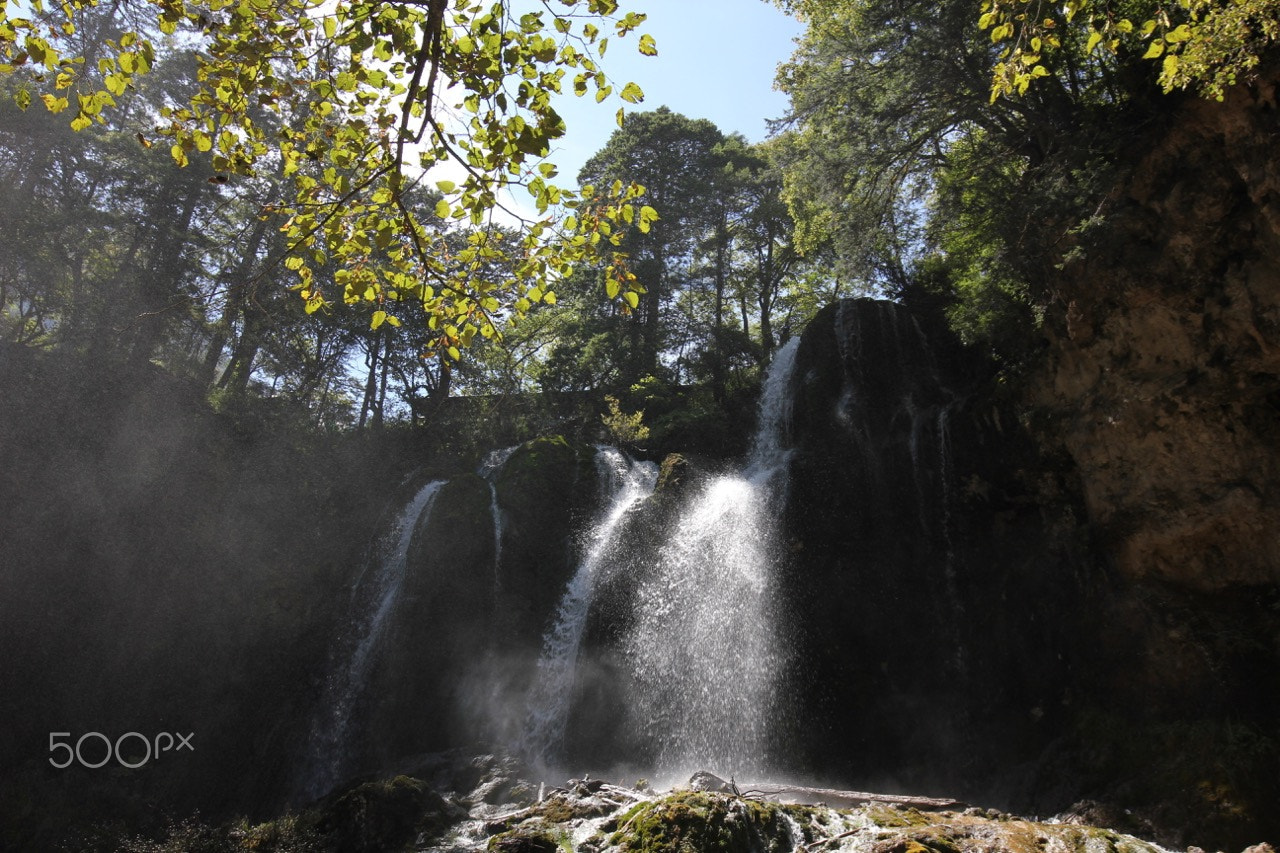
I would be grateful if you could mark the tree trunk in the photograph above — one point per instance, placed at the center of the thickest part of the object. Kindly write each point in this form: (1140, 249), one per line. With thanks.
(371, 383)
(717, 339)
(162, 293)
(237, 284)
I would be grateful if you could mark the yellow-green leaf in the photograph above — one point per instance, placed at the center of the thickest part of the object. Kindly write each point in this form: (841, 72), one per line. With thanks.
(632, 94)
(53, 103)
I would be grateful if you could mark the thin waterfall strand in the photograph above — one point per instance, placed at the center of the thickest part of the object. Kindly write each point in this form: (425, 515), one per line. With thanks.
(489, 470)
(374, 599)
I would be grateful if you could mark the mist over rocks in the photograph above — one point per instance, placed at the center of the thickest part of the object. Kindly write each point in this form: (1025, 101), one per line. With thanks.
(481, 804)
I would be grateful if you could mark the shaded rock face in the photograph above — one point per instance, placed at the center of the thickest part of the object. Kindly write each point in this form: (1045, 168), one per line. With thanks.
(935, 595)
(1163, 387)
(1165, 367)
(458, 660)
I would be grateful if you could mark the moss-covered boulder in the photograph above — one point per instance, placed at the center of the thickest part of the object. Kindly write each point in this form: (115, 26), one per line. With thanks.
(524, 840)
(386, 815)
(688, 821)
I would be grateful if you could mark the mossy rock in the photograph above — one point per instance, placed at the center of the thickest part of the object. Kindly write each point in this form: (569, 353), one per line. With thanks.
(537, 466)
(372, 817)
(674, 473)
(890, 816)
(524, 840)
(699, 822)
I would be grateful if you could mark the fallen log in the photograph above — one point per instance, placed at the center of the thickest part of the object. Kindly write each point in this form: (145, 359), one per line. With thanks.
(805, 795)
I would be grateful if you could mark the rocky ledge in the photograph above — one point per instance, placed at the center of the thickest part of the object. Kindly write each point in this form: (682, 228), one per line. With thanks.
(457, 806)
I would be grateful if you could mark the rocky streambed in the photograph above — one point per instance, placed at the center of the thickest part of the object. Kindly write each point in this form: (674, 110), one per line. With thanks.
(449, 804)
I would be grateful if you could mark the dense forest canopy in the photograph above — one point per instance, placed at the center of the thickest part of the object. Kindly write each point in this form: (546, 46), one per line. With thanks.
(335, 118)
(955, 150)
(949, 153)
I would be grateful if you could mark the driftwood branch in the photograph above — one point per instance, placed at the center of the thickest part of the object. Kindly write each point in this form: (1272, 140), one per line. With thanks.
(814, 845)
(846, 799)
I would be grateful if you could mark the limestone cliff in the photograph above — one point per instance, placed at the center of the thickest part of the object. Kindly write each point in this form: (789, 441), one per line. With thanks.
(1162, 385)
(1165, 358)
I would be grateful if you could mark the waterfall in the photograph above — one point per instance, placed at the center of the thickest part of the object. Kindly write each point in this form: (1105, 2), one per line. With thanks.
(705, 647)
(769, 454)
(489, 470)
(374, 597)
(625, 483)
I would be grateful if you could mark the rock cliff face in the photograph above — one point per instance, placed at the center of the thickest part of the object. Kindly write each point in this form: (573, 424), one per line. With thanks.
(1160, 400)
(1034, 617)
(1163, 388)
(937, 595)
(1166, 354)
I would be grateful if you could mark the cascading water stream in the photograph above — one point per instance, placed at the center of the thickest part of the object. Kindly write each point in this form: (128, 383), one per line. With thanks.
(769, 454)
(626, 483)
(705, 646)
(489, 470)
(374, 598)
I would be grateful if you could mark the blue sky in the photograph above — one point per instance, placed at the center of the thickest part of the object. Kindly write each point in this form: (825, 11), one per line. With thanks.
(716, 60)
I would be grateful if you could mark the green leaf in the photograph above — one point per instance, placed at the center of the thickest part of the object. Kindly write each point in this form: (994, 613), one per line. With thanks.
(379, 317)
(632, 298)
(446, 186)
(443, 209)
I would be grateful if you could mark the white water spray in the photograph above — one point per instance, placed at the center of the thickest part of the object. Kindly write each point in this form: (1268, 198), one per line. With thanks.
(705, 645)
(626, 483)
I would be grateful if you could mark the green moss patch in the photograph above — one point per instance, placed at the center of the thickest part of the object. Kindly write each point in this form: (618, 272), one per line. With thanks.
(701, 822)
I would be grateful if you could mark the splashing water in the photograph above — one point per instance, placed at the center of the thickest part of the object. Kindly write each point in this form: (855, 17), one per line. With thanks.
(374, 598)
(626, 483)
(705, 646)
